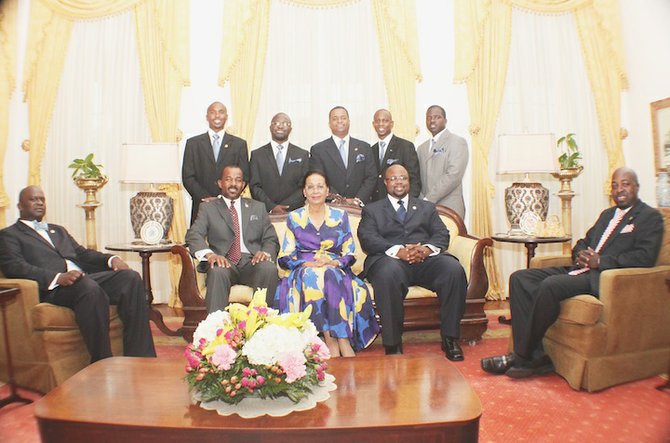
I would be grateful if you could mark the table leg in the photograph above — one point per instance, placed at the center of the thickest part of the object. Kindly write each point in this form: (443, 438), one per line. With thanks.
(14, 396)
(154, 315)
(530, 252)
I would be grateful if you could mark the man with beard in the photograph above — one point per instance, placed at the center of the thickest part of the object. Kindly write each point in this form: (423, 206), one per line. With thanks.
(234, 241)
(627, 235)
(406, 241)
(278, 168)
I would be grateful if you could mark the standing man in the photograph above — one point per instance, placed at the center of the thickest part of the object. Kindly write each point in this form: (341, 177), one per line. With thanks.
(443, 160)
(390, 150)
(627, 235)
(406, 241)
(346, 161)
(206, 154)
(278, 168)
(234, 241)
(84, 280)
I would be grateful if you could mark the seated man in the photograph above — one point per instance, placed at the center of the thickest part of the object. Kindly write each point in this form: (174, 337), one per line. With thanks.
(625, 236)
(235, 242)
(405, 241)
(85, 280)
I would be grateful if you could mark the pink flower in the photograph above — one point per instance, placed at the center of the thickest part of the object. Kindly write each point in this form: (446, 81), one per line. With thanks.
(192, 358)
(293, 364)
(320, 348)
(223, 357)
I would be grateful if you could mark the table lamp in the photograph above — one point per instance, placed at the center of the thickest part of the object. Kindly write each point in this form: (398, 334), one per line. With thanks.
(526, 154)
(151, 211)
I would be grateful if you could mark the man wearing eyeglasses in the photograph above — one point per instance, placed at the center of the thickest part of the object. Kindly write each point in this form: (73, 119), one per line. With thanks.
(278, 168)
(406, 242)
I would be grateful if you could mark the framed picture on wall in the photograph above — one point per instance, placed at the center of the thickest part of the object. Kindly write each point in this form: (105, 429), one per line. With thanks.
(660, 126)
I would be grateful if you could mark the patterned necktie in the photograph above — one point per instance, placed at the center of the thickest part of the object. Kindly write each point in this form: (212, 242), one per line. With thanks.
(382, 145)
(343, 153)
(618, 216)
(216, 146)
(280, 158)
(432, 145)
(401, 212)
(40, 226)
(235, 253)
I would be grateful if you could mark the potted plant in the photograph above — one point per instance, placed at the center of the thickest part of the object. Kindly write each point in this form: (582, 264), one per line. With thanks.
(88, 176)
(570, 155)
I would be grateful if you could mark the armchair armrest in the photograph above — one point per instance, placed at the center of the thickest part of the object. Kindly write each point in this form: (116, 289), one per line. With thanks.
(547, 261)
(29, 296)
(189, 294)
(470, 253)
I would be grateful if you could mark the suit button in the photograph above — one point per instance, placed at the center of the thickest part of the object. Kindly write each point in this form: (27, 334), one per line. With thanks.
(347, 186)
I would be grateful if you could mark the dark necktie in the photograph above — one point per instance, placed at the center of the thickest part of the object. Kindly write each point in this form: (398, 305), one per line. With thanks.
(235, 253)
(401, 212)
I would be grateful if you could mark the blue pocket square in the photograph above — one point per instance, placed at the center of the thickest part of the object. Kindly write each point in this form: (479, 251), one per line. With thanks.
(390, 161)
(439, 150)
(360, 158)
(294, 160)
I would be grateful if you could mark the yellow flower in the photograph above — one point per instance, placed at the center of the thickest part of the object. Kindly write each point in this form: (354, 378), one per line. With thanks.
(293, 319)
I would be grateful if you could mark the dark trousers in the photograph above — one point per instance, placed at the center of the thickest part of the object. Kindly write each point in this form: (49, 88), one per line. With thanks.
(391, 279)
(535, 297)
(90, 298)
(220, 280)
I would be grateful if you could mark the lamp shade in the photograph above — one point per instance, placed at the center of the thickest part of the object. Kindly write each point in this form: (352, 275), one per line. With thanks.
(150, 163)
(527, 153)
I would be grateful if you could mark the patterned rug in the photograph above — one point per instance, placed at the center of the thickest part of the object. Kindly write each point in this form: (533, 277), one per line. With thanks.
(540, 409)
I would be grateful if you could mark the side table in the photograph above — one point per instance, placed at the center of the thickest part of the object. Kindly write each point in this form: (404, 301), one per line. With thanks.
(530, 242)
(145, 252)
(7, 296)
(666, 385)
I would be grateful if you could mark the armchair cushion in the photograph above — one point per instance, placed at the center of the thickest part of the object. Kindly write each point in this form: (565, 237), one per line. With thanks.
(582, 310)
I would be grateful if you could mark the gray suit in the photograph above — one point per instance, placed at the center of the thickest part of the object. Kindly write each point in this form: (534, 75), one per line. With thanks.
(213, 229)
(442, 170)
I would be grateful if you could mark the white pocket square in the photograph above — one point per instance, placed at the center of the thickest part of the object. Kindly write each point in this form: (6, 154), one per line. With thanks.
(628, 229)
(253, 217)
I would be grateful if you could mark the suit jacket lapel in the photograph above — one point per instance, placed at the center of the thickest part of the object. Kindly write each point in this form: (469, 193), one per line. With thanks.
(411, 208)
(224, 210)
(335, 154)
(32, 233)
(630, 216)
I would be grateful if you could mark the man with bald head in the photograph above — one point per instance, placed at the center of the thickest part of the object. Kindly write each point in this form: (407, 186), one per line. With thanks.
(390, 150)
(206, 154)
(627, 235)
(85, 280)
(278, 168)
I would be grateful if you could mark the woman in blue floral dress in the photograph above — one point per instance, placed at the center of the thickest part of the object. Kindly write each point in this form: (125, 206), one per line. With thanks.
(318, 250)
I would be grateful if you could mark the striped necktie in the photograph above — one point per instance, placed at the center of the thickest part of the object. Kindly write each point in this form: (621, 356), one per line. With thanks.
(235, 252)
(343, 153)
(618, 216)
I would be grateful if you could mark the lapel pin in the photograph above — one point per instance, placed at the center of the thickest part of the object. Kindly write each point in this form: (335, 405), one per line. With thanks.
(414, 208)
(51, 231)
(226, 145)
(355, 149)
(246, 205)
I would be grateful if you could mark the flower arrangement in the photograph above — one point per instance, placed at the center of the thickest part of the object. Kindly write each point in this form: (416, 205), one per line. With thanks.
(254, 351)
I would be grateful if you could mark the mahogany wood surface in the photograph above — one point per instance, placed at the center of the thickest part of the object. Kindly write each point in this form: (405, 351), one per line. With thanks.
(378, 399)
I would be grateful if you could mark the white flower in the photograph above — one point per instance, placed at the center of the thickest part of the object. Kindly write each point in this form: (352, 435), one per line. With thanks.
(267, 344)
(309, 332)
(208, 327)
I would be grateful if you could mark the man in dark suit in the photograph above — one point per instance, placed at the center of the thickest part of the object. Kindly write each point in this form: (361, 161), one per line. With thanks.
(347, 162)
(390, 150)
(70, 275)
(206, 154)
(235, 244)
(627, 235)
(405, 241)
(278, 168)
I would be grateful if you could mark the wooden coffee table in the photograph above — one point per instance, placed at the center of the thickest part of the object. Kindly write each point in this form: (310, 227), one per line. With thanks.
(378, 399)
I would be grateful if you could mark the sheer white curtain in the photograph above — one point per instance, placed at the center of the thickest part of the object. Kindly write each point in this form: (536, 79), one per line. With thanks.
(317, 59)
(547, 90)
(99, 107)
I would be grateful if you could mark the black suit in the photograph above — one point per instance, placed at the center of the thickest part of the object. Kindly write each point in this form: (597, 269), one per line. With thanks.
(357, 179)
(400, 151)
(269, 187)
(535, 294)
(26, 254)
(200, 172)
(379, 230)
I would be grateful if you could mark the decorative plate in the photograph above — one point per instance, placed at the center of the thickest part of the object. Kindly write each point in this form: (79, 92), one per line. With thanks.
(528, 222)
(151, 232)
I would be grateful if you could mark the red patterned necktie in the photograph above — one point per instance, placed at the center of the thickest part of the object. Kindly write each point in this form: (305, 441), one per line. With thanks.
(234, 253)
(618, 216)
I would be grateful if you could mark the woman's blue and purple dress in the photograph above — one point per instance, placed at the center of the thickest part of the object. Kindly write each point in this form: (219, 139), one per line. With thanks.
(341, 302)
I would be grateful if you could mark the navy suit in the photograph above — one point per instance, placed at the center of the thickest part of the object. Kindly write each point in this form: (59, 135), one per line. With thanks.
(357, 179)
(399, 151)
(269, 187)
(535, 294)
(379, 230)
(200, 171)
(26, 254)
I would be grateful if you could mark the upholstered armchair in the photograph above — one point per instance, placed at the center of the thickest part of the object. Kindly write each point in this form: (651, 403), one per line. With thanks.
(623, 335)
(45, 342)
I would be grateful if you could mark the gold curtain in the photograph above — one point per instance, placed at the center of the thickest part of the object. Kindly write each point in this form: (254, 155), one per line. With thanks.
(399, 54)
(7, 83)
(163, 50)
(482, 30)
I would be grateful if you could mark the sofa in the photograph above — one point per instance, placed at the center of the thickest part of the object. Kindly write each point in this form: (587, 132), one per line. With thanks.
(621, 336)
(421, 305)
(44, 339)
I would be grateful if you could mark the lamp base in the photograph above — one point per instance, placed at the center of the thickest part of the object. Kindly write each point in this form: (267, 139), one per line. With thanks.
(523, 197)
(147, 206)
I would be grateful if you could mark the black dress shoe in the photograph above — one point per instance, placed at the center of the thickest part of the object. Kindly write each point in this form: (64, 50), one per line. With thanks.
(498, 364)
(393, 349)
(452, 349)
(525, 368)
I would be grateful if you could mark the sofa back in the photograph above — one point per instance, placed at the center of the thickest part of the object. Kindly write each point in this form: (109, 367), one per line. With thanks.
(664, 254)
